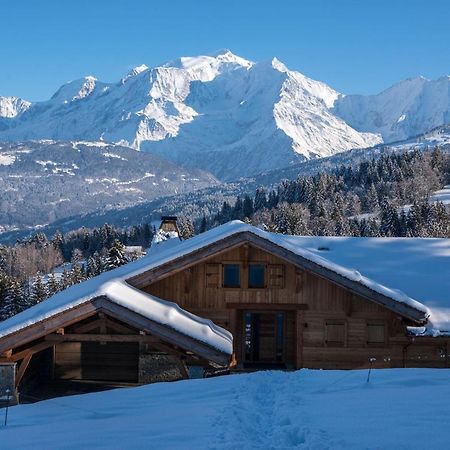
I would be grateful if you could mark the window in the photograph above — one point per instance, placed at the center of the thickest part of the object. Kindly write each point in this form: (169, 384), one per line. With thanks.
(231, 275)
(256, 276)
(335, 333)
(376, 333)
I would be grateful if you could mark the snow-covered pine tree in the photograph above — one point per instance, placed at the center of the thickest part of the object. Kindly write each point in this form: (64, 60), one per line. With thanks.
(77, 256)
(38, 290)
(3, 294)
(95, 265)
(260, 201)
(53, 285)
(116, 256)
(77, 274)
(65, 280)
(186, 227)
(15, 301)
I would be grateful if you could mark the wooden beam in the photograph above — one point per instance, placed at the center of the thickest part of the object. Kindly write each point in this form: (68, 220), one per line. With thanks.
(299, 340)
(86, 327)
(7, 354)
(118, 327)
(101, 322)
(74, 337)
(269, 306)
(31, 350)
(40, 329)
(23, 368)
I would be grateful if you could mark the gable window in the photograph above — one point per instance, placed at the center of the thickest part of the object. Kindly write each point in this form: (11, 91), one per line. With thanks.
(335, 333)
(376, 333)
(231, 275)
(256, 277)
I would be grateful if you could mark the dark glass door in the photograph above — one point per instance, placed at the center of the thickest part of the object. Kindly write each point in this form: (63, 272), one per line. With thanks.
(263, 336)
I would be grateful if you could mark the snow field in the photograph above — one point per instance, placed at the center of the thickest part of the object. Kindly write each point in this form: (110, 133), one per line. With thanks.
(307, 409)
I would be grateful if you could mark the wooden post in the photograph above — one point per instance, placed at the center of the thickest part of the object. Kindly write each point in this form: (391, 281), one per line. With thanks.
(299, 339)
(23, 368)
(183, 368)
(234, 332)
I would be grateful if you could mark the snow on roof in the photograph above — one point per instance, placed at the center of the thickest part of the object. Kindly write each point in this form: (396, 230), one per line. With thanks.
(390, 266)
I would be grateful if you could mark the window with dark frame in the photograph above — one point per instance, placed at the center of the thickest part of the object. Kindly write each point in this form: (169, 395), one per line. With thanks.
(256, 276)
(231, 276)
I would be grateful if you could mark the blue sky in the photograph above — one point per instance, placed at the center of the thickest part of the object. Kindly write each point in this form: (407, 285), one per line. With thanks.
(355, 46)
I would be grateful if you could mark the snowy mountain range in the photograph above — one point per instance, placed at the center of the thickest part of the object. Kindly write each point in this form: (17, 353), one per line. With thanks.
(220, 112)
(228, 115)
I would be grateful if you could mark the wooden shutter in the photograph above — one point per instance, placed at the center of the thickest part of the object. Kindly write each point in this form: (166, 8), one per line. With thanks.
(335, 333)
(275, 276)
(213, 275)
(376, 333)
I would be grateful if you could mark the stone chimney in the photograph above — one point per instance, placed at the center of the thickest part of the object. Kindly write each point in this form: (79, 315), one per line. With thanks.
(168, 229)
(169, 225)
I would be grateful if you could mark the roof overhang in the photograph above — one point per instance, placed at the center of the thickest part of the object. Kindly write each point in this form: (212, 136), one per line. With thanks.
(103, 304)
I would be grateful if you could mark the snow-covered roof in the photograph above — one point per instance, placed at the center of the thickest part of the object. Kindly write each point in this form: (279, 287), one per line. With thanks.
(411, 271)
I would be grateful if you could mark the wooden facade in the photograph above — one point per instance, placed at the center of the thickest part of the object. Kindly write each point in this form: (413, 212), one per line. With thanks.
(296, 318)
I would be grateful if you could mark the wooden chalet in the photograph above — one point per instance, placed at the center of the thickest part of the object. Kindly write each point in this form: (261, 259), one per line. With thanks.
(234, 297)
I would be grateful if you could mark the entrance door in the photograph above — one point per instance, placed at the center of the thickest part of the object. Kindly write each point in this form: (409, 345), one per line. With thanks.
(263, 337)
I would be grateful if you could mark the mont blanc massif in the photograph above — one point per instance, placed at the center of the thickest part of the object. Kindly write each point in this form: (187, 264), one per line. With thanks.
(205, 125)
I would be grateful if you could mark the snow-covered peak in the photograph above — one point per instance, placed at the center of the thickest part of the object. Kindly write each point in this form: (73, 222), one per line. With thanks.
(213, 59)
(409, 108)
(76, 90)
(278, 65)
(207, 67)
(12, 106)
(133, 72)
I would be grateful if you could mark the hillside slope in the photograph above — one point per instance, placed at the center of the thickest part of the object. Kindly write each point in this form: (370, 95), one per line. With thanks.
(45, 181)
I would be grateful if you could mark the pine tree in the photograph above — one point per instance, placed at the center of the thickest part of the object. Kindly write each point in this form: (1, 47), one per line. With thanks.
(53, 286)
(77, 274)
(247, 207)
(260, 201)
(15, 299)
(65, 280)
(3, 293)
(38, 290)
(203, 224)
(116, 255)
(186, 227)
(96, 265)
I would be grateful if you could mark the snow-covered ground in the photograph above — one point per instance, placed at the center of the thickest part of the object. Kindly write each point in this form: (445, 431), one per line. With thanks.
(397, 409)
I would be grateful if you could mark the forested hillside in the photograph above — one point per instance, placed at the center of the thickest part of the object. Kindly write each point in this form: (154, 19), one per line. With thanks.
(385, 196)
(381, 197)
